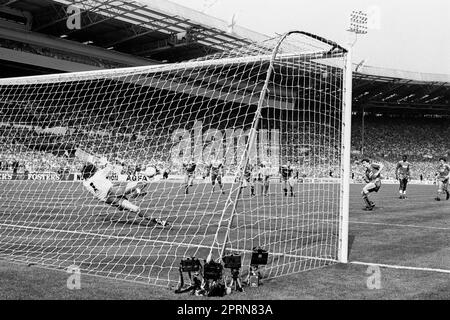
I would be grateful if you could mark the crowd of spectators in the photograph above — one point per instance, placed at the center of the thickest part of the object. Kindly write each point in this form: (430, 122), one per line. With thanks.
(390, 138)
(386, 140)
(27, 149)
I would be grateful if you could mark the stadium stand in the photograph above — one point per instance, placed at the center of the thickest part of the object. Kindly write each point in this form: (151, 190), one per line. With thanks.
(390, 138)
(387, 139)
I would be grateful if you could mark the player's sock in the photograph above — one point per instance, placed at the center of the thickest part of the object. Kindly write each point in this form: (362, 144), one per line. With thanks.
(447, 195)
(292, 192)
(285, 191)
(252, 190)
(366, 201)
(127, 205)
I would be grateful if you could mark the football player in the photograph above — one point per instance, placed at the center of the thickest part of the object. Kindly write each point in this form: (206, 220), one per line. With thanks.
(96, 182)
(249, 178)
(264, 176)
(442, 176)
(287, 178)
(402, 174)
(372, 177)
(215, 169)
(189, 172)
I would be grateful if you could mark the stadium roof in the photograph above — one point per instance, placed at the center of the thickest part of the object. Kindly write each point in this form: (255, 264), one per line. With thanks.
(35, 39)
(152, 31)
(387, 90)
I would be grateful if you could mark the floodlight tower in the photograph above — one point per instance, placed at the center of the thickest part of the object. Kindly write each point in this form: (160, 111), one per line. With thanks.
(358, 24)
(359, 21)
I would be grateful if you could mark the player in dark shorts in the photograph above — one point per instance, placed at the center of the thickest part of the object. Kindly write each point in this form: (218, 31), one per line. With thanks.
(402, 174)
(189, 171)
(249, 178)
(264, 176)
(372, 177)
(287, 179)
(215, 169)
(442, 177)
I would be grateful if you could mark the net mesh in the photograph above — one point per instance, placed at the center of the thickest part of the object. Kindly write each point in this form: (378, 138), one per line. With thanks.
(279, 190)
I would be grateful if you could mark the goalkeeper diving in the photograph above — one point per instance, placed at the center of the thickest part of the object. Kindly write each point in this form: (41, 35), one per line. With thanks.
(96, 182)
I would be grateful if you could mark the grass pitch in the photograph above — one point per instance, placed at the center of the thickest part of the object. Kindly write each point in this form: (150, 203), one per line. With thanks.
(410, 233)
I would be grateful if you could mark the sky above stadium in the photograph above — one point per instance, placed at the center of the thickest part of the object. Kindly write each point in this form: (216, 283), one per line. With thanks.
(411, 35)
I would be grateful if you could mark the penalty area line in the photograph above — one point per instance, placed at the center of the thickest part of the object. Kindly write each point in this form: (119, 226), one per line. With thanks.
(398, 225)
(393, 266)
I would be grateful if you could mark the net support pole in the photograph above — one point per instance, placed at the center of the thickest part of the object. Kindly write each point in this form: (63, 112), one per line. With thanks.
(250, 143)
(346, 159)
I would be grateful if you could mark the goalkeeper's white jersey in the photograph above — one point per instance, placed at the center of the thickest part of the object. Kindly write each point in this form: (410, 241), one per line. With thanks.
(98, 185)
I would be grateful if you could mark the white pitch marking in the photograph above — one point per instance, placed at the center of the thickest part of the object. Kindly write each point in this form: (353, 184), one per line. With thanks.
(393, 266)
(399, 225)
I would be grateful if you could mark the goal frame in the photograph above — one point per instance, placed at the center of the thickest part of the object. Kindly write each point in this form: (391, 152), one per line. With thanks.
(220, 242)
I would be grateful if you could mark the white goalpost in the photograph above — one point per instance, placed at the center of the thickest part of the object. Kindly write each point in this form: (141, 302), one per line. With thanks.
(251, 148)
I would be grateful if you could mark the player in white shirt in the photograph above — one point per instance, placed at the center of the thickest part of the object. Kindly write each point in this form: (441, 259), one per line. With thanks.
(215, 168)
(265, 174)
(249, 178)
(96, 182)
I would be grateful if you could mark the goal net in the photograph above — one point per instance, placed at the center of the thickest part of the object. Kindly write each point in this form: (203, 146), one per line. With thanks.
(268, 121)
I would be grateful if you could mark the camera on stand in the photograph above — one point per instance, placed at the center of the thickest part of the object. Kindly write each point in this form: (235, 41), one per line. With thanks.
(213, 279)
(233, 262)
(212, 271)
(259, 258)
(190, 265)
